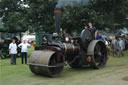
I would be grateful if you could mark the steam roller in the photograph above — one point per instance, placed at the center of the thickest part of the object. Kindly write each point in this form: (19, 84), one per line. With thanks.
(46, 62)
(58, 50)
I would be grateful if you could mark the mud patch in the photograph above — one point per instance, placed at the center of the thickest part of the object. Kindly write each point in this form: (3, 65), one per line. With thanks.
(125, 78)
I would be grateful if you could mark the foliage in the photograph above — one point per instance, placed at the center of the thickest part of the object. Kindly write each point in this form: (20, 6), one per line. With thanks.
(102, 13)
(13, 14)
(38, 15)
(112, 12)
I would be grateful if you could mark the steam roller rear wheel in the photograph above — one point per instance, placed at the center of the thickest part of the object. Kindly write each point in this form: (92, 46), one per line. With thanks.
(46, 62)
(99, 54)
(3, 54)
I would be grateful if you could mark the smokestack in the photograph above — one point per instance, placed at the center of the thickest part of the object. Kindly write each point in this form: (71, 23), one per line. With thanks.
(57, 18)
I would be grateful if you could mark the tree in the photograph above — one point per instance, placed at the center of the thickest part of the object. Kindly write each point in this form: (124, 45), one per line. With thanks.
(13, 14)
(74, 18)
(32, 15)
(102, 13)
(40, 15)
(113, 12)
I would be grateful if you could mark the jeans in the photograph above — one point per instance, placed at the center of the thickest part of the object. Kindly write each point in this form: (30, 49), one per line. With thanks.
(13, 58)
(24, 55)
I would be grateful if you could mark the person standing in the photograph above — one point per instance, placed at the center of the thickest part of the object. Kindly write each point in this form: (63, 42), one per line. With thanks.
(93, 29)
(123, 44)
(114, 46)
(120, 46)
(24, 47)
(13, 51)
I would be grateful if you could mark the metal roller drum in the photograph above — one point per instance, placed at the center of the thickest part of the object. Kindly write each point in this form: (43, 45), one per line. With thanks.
(46, 62)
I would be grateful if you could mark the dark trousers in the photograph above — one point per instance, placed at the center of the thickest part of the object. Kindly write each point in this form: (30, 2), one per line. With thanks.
(24, 55)
(114, 52)
(121, 53)
(13, 58)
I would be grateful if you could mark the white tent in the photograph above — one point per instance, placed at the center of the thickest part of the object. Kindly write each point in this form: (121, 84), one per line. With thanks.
(29, 37)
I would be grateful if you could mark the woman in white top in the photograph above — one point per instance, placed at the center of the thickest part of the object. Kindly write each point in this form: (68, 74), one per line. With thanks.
(13, 51)
(24, 47)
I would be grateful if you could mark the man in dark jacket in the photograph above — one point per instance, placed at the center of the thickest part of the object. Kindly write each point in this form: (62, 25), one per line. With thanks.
(93, 29)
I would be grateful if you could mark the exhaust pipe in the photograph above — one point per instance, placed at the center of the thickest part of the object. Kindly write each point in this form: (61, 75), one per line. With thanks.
(57, 19)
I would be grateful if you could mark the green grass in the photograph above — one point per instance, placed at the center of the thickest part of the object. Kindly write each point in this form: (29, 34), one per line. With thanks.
(20, 74)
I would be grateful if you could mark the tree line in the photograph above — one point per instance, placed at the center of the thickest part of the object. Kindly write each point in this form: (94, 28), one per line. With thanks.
(38, 15)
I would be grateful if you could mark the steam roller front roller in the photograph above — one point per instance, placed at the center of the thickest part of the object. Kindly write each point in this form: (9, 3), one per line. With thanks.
(46, 62)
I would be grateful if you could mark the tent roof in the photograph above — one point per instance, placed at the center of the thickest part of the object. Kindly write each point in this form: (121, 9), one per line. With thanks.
(3, 29)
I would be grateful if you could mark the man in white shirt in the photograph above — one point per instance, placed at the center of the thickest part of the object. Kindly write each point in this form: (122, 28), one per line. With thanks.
(24, 47)
(13, 51)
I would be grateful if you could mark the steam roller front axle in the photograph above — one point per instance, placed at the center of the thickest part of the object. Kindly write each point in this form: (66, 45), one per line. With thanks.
(46, 62)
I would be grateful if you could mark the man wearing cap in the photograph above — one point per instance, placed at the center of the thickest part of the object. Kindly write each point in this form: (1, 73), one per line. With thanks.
(24, 47)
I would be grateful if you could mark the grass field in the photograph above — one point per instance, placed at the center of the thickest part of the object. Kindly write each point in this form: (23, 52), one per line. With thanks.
(115, 73)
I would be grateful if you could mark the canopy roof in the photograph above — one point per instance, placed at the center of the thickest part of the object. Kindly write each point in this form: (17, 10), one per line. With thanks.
(3, 29)
(11, 30)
